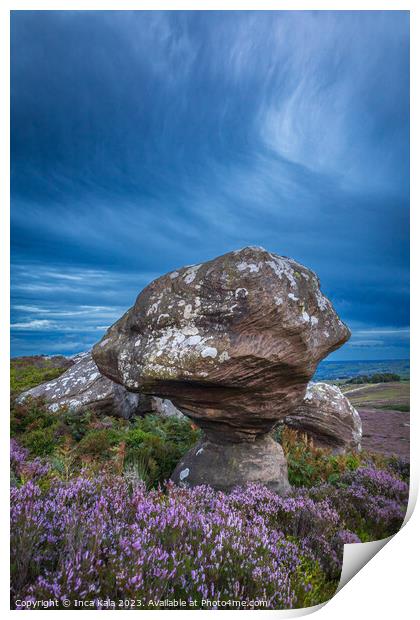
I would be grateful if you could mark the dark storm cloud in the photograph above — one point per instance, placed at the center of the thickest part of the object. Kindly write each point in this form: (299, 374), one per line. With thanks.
(142, 141)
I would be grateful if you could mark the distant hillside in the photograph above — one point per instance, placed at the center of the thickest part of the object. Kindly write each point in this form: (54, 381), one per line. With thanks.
(31, 370)
(346, 370)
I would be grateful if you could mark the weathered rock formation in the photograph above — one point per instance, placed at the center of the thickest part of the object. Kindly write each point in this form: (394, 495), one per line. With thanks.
(82, 387)
(232, 343)
(328, 418)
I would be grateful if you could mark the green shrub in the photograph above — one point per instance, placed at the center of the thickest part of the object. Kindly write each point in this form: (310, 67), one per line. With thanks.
(25, 377)
(40, 442)
(154, 446)
(149, 447)
(311, 584)
(308, 466)
(97, 444)
(29, 416)
(75, 424)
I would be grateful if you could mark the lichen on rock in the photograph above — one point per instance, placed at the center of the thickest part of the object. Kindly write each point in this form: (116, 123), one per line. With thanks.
(328, 418)
(83, 388)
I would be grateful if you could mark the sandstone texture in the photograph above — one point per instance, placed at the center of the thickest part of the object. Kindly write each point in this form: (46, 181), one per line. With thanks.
(328, 418)
(82, 387)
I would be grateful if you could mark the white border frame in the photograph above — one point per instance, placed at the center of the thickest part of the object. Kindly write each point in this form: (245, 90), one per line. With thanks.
(387, 586)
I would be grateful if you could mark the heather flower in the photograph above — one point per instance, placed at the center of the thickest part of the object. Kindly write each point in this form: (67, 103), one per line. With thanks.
(22, 468)
(372, 503)
(94, 538)
(18, 454)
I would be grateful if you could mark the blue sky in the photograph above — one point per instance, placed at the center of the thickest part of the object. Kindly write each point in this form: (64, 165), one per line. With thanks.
(144, 141)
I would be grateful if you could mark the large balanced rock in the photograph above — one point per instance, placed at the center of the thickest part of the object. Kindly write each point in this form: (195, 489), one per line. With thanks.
(328, 418)
(232, 343)
(82, 387)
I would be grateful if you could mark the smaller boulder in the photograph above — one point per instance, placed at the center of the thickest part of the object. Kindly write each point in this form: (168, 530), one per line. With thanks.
(328, 418)
(82, 387)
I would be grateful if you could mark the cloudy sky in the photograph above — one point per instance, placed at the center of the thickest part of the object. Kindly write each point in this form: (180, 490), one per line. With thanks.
(144, 141)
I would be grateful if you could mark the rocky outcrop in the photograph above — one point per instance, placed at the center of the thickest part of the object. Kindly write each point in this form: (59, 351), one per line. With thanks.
(232, 343)
(82, 387)
(328, 418)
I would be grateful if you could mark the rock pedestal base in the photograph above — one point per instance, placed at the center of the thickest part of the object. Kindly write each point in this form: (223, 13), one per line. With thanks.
(224, 466)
